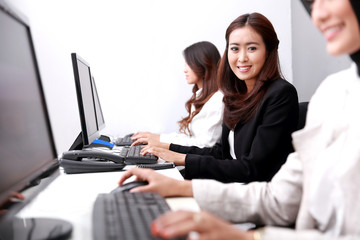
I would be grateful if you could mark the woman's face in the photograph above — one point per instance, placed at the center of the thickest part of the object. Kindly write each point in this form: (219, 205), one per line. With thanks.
(246, 54)
(191, 77)
(338, 23)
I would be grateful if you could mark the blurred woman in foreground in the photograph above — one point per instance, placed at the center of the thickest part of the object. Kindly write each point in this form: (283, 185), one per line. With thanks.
(317, 189)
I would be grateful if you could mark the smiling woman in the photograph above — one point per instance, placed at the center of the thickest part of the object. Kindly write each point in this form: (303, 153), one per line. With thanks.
(252, 54)
(260, 112)
(338, 25)
(247, 54)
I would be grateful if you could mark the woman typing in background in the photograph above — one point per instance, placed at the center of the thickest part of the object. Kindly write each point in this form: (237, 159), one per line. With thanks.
(317, 189)
(261, 110)
(202, 126)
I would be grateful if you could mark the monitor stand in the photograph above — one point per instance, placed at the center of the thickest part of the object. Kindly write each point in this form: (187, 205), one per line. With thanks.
(102, 141)
(35, 228)
(78, 144)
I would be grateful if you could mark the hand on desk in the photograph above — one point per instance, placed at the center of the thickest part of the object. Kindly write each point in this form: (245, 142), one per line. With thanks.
(207, 226)
(165, 154)
(180, 223)
(13, 197)
(165, 186)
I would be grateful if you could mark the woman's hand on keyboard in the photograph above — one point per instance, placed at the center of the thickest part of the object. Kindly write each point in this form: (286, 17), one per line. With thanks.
(145, 138)
(197, 225)
(165, 154)
(165, 186)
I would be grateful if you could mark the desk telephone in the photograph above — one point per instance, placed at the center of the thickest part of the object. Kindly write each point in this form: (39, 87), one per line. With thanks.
(91, 160)
(87, 161)
(94, 154)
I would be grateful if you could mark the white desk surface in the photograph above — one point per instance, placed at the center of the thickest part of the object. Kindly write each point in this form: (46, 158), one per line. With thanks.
(71, 197)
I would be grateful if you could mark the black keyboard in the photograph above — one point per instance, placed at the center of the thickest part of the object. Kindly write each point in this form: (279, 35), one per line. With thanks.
(124, 141)
(125, 215)
(132, 155)
(157, 166)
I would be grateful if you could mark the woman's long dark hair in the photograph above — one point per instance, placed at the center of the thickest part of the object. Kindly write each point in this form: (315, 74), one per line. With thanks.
(240, 106)
(202, 58)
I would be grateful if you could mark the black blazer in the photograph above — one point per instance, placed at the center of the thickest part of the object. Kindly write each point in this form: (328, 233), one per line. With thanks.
(261, 145)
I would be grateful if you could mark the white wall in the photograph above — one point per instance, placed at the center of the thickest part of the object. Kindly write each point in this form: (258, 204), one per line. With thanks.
(134, 49)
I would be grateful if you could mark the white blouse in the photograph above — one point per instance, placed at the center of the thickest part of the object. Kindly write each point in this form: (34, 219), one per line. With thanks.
(205, 127)
(231, 144)
(318, 186)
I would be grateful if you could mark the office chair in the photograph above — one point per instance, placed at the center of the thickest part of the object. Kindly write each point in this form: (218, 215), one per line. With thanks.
(303, 106)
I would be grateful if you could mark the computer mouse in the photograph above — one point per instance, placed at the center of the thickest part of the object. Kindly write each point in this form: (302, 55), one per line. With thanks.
(130, 185)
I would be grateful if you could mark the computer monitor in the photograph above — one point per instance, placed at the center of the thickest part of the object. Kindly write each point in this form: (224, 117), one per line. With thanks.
(27, 150)
(86, 100)
(26, 143)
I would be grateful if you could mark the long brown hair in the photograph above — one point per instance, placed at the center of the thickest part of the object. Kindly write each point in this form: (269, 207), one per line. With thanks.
(240, 106)
(202, 58)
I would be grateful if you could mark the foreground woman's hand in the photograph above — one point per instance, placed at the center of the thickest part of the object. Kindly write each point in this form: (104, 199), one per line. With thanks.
(165, 186)
(206, 226)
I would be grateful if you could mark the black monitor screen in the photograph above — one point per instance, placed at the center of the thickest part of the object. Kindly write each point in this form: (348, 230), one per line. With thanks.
(85, 97)
(26, 143)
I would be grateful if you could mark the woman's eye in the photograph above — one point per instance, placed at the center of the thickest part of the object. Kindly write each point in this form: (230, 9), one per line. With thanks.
(234, 49)
(251, 49)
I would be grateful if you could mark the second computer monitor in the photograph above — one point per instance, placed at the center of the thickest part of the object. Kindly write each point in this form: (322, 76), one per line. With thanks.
(86, 100)
(99, 114)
